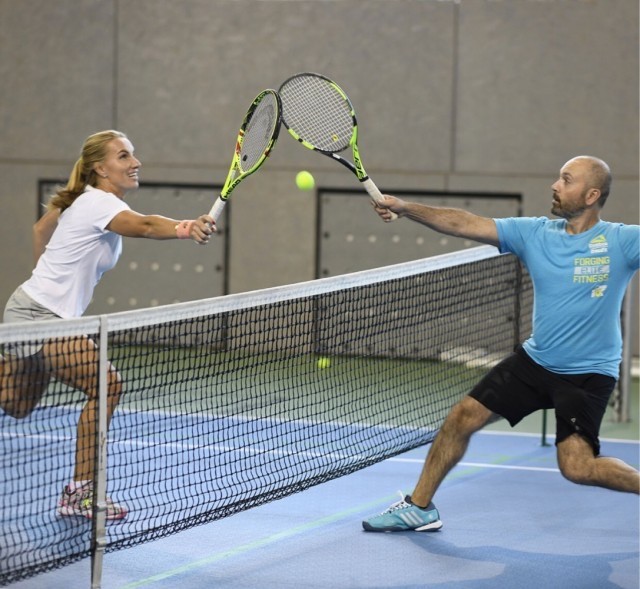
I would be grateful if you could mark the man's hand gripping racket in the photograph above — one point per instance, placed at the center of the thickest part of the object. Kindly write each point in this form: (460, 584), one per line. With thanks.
(256, 138)
(318, 114)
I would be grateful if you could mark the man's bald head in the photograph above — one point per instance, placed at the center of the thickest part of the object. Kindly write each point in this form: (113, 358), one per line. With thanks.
(597, 175)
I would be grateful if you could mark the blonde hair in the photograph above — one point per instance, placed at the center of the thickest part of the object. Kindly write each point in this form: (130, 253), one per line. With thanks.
(94, 151)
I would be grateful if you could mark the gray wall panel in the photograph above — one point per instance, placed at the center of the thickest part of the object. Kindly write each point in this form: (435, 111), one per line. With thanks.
(19, 198)
(272, 233)
(540, 82)
(56, 67)
(473, 95)
(183, 94)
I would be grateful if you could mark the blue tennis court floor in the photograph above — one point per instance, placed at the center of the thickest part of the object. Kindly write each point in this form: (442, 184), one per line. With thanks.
(510, 521)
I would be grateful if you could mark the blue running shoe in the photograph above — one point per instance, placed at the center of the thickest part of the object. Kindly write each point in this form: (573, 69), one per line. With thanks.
(404, 516)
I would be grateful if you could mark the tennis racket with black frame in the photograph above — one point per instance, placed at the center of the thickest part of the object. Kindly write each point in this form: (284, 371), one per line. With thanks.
(319, 115)
(256, 139)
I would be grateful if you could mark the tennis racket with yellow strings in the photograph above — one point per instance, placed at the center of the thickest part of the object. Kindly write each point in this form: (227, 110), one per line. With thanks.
(256, 139)
(319, 115)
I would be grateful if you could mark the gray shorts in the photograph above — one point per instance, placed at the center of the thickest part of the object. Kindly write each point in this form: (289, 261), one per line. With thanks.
(21, 307)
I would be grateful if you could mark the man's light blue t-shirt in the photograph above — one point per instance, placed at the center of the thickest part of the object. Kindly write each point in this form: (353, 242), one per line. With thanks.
(579, 284)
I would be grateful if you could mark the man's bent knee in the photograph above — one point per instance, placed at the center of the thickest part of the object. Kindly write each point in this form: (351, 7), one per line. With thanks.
(576, 473)
(469, 415)
(576, 460)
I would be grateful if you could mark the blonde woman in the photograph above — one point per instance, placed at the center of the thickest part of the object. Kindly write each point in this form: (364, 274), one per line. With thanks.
(75, 242)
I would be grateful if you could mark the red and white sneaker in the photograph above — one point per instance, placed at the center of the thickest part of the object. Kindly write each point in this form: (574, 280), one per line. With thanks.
(79, 502)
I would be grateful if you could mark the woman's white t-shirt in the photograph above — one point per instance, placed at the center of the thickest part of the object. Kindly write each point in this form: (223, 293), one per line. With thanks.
(79, 252)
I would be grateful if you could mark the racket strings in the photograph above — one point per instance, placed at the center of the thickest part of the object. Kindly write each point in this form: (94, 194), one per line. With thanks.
(317, 113)
(259, 132)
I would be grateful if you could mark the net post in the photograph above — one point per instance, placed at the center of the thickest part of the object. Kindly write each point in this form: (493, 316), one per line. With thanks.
(544, 428)
(621, 411)
(98, 540)
(517, 311)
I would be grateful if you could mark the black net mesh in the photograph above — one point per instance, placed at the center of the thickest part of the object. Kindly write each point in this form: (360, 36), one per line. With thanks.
(227, 404)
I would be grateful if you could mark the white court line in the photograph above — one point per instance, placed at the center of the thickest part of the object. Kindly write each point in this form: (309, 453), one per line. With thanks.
(481, 465)
(550, 435)
(259, 450)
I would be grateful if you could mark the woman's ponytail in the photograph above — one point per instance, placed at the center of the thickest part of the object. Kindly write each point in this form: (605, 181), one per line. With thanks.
(83, 173)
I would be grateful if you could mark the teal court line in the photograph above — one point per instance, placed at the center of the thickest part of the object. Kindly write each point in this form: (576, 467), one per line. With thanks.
(257, 544)
(462, 470)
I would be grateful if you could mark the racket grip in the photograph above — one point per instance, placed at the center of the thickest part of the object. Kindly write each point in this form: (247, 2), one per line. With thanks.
(216, 209)
(375, 194)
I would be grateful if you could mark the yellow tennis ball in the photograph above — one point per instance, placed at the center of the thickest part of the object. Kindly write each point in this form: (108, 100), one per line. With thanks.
(323, 363)
(305, 181)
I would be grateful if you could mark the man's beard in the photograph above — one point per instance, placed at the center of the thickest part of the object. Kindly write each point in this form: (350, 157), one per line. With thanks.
(561, 210)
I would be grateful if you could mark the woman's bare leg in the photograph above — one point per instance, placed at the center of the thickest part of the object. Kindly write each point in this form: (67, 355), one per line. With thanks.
(23, 381)
(75, 362)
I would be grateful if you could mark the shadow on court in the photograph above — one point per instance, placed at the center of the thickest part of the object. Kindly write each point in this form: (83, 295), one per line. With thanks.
(529, 570)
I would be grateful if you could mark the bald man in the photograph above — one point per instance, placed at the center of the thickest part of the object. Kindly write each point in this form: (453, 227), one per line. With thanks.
(580, 266)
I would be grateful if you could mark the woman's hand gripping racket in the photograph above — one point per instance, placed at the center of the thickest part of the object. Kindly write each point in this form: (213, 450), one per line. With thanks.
(256, 138)
(318, 114)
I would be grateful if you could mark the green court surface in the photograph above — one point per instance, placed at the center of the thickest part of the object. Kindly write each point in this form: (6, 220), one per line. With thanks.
(360, 390)
(374, 391)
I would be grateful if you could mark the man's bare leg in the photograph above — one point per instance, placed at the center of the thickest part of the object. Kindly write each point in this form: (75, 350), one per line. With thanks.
(449, 446)
(578, 464)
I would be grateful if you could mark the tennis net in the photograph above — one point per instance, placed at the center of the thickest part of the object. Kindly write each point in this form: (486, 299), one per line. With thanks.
(231, 402)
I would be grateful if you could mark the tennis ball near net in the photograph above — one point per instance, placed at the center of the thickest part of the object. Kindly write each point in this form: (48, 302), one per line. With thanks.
(323, 363)
(304, 180)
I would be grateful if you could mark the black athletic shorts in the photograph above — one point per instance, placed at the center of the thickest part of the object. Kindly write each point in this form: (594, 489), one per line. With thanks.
(518, 386)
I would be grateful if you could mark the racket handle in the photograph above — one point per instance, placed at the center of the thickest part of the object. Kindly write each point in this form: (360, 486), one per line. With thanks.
(375, 194)
(216, 209)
